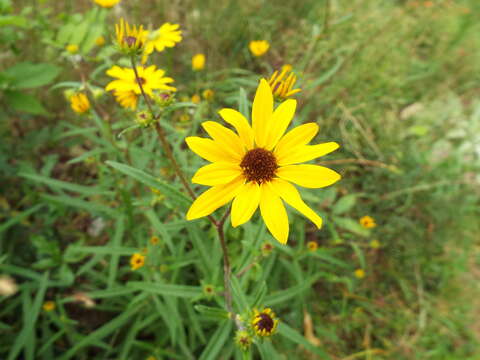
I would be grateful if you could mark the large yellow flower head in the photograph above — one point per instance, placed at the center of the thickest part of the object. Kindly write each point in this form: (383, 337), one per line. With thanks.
(255, 166)
(126, 88)
(168, 35)
(107, 3)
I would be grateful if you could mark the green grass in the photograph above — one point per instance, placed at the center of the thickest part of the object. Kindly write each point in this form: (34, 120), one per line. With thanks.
(394, 82)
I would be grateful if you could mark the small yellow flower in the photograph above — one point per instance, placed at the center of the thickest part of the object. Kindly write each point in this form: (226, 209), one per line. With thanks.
(167, 36)
(130, 39)
(198, 62)
(137, 261)
(243, 339)
(259, 47)
(359, 273)
(208, 94)
(196, 99)
(264, 323)
(72, 48)
(367, 222)
(107, 3)
(375, 244)
(48, 306)
(312, 246)
(154, 240)
(100, 41)
(256, 166)
(282, 83)
(126, 86)
(79, 103)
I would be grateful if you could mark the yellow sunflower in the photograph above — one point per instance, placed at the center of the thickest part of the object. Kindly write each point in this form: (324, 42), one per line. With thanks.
(126, 88)
(168, 35)
(255, 166)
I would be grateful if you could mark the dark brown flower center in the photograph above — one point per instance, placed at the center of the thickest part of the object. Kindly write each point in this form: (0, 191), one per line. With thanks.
(130, 40)
(265, 323)
(259, 165)
(141, 81)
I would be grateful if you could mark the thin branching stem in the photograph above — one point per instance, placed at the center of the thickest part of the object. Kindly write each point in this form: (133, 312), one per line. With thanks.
(218, 224)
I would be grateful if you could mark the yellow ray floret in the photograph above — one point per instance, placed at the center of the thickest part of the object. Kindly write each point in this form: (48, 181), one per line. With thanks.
(167, 36)
(255, 165)
(282, 83)
(107, 3)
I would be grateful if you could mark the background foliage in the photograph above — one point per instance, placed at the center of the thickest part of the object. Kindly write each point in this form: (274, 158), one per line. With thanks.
(396, 83)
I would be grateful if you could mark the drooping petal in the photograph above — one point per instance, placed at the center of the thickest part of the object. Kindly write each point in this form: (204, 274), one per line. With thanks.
(216, 174)
(309, 176)
(262, 109)
(281, 118)
(238, 121)
(209, 150)
(228, 141)
(213, 198)
(274, 214)
(245, 203)
(300, 135)
(291, 196)
(305, 153)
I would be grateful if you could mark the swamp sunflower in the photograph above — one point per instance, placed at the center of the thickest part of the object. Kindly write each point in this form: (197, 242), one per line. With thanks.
(256, 165)
(126, 86)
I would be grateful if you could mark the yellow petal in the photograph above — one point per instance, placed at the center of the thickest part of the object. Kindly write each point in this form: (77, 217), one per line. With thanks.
(291, 196)
(281, 118)
(213, 198)
(300, 135)
(262, 109)
(226, 138)
(209, 150)
(274, 214)
(305, 153)
(309, 176)
(216, 174)
(245, 203)
(238, 121)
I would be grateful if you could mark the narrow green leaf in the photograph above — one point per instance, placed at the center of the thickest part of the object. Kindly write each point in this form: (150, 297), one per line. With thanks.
(28, 327)
(184, 291)
(153, 182)
(294, 336)
(217, 341)
(58, 184)
(239, 296)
